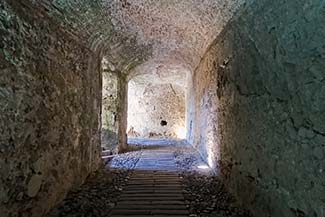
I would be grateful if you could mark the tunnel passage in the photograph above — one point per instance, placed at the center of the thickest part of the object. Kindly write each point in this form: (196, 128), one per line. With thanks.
(254, 96)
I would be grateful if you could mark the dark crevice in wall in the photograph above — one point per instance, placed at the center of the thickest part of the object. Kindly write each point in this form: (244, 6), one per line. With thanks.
(318, 132)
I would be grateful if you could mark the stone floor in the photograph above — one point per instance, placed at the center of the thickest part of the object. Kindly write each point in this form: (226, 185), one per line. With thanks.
(156, 178)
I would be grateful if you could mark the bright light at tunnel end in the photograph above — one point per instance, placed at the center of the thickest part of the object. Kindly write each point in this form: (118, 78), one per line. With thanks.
(181, 133)
(203, 167)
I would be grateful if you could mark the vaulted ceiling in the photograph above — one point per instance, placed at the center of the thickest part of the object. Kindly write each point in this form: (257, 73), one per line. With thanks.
(178, 31)
(163, 38)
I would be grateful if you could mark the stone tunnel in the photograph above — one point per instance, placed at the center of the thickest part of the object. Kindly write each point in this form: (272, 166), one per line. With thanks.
(162, 108)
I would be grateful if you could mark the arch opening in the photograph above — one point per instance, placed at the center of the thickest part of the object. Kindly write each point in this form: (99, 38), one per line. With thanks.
(156, 108)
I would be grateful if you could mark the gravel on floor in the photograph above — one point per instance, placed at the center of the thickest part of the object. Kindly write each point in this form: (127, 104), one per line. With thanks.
(204, 192)
(98, 196)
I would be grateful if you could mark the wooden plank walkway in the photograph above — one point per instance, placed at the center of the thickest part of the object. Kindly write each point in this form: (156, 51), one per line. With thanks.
(154, 189)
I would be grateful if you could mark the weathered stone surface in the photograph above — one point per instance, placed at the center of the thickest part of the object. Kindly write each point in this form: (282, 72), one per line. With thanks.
(258, 107)
(49, 110)
(156, 110)
(110, 106)
(50, 95)
(34, 185)
(179, 31)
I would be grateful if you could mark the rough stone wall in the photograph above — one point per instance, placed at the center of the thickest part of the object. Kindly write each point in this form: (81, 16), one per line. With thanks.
(49, 111)
(202, 119)
(150, 104)
(122, 117)
(110, 102)
(259, 95)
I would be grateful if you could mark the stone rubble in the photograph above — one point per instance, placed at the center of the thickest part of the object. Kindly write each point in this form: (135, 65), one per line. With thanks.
(204, 192)
(98, 196)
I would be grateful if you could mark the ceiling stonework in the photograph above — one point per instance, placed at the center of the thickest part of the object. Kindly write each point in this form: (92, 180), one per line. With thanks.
(179, 31)
(159, 37)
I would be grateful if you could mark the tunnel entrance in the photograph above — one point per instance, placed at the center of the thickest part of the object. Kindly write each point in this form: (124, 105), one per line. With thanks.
(155, 110)
(109, 132)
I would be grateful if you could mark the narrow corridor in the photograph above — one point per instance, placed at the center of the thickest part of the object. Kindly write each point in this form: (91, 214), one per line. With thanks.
(211, 108)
